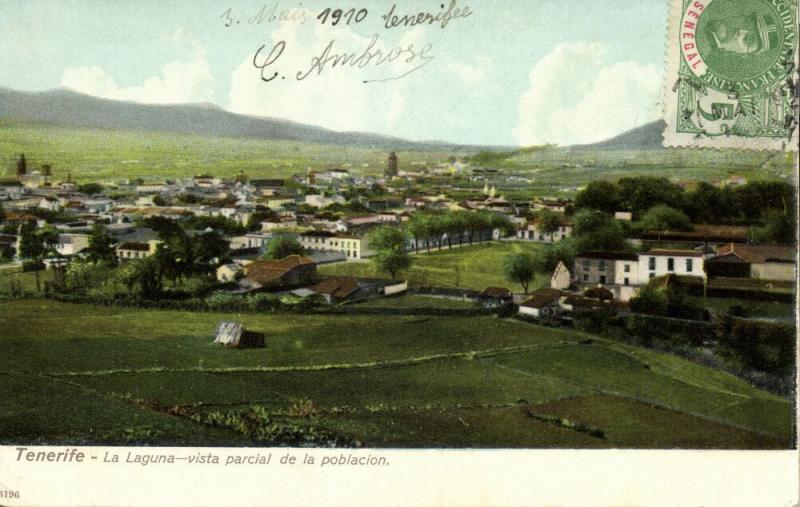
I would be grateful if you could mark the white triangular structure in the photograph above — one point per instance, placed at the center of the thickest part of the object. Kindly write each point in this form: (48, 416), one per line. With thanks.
(561, 278)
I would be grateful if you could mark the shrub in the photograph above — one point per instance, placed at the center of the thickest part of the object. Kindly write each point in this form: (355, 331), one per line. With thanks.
(262, 301)
(28, 266)
(222, 301)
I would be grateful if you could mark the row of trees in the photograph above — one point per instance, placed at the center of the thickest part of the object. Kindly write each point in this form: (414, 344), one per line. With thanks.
(756, 203)
(389, 243)
(703, 203)
(435, 228)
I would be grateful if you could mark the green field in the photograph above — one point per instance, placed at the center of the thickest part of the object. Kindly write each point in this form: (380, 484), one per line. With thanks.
(479, 266)
(100, 374)
(110, 155)
(753, 308)
(419, 301)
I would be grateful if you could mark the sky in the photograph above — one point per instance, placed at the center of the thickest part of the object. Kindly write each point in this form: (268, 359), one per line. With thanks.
(511, 73)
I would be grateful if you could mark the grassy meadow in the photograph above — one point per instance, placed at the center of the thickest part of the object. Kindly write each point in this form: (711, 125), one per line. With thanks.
(468, 267)
(110, 155)
(103, 374)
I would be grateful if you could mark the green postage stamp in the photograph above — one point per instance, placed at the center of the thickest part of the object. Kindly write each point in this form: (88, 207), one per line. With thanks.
(732, 77)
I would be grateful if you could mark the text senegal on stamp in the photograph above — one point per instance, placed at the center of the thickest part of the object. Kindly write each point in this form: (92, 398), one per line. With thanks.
(732, 78)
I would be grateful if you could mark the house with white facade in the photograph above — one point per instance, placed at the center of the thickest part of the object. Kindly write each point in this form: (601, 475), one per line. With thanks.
(72, 244)
(658, 262)
(534, 232)
(353, 247)
(606, 268)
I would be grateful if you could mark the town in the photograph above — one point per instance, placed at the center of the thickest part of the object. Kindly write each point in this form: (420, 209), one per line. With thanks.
(704, 271)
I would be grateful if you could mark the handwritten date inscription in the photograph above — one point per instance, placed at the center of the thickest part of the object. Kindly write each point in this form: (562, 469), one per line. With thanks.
(396, 62)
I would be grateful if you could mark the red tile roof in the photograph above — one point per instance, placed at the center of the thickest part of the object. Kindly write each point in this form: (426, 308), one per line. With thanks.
(659, 252)
(496, 292)
(266, 271)
(542, 298)
(339, 287)
(759, 254)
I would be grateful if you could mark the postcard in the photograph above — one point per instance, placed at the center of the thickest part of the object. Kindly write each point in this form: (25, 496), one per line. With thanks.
(453, 252)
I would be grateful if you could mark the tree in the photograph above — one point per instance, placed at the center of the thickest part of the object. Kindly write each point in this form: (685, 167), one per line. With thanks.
(549, 222)
(599, 195)
(641, 193)
(547, 258)
(90, 188)
(419, 228)
(166, 228)
(437, 228)
(664, 218)
(597, 231)
(31, 245)
(283, 246)
(148, 273)
(188, 198)
(779, 228)
(101, 246)
(2, 213)
(210, 248)
(707, 203)
(519, 268)
(456, 225)
(389, 245)
(159, 201)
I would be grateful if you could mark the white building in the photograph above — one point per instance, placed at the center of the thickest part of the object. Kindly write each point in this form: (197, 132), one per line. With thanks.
(353, 247)
(71, 244)
(533, 232)
(321, 201)
(601, 268)
(561, 278)
(660, 262)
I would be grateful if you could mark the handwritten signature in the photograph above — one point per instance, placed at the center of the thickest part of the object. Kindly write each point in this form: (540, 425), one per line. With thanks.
(409, 57)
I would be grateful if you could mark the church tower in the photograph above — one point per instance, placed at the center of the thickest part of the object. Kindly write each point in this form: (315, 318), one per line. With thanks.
(391, 167)
(22, 166)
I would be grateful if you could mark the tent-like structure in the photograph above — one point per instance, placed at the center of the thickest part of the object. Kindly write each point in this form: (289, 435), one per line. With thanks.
(233, 334)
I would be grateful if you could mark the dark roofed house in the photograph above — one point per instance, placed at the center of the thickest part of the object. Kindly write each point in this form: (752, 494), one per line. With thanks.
(267, 187)
(337, 289)
(542, 303)
(763, 262)
(289, 271)
(495, 296)
(137, 249)
(701, 233)
(267, 183)
(599, 293)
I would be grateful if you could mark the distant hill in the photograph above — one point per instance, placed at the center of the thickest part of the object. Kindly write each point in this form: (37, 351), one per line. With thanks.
(649, 136)
(68, 108)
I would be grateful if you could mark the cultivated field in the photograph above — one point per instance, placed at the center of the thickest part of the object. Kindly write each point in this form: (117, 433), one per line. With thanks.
(100, 374)
(111, 155)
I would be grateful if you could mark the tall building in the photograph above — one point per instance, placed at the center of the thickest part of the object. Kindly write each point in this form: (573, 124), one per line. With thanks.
(391, 167)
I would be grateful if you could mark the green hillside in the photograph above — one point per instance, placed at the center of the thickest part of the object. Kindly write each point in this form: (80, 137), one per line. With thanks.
(128, 375)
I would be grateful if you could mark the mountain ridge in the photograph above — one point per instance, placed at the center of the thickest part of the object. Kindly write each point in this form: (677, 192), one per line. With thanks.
(67, 107)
